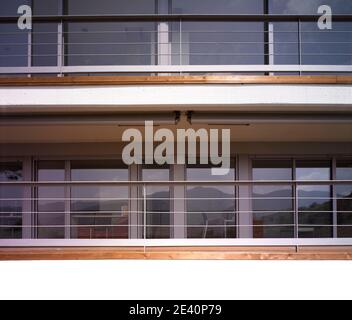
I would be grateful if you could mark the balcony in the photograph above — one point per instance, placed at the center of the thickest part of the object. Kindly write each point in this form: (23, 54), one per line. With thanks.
(175, 213)
(176, 45)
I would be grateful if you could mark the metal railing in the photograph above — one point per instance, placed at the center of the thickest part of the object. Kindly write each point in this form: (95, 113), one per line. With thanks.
(154, 44)
(159, 218)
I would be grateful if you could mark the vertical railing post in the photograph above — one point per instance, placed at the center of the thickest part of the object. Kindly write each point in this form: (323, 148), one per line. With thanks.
(181, 49)
(29, 50)
(300, 46)
(145, 216)
(60, 42)
(67, 193)
(30, 45)
(334, 199)
(296, 210)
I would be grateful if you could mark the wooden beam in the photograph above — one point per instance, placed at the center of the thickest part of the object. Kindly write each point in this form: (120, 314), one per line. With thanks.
(170, 80)
(196, 253)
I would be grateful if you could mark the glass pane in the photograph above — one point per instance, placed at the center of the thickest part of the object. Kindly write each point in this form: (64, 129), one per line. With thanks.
(327, 47)
(10, 7)
(158, 203)
(11, 201)
(313, 170)
(99, 211)
(217, 7)
(104, 43)
(44, 49)
(273, 211)
(314, 202)
(286, 43)
(13, 46)
(51, 201)
(309, 7)
(344, 199)
(210, 208)
(217, 43)
(46, 7)
(84, 7)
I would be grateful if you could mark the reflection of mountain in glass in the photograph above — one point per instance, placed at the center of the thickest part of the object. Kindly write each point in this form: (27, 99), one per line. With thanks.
(214, 210)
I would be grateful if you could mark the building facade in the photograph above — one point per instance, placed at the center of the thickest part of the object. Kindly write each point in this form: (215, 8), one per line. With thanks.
(89, 70)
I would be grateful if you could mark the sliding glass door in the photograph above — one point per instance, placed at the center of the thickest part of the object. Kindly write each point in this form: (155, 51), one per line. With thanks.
(210, 207)
(99, 211)
(11, 203)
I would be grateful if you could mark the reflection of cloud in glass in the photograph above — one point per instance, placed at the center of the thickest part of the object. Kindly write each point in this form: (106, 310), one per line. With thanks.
(313, 174)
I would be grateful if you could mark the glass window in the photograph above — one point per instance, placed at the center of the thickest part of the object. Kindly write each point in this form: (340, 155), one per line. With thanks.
(210, 208)
(51, 201)
(44, 48)
(99, 211)
(13, 46)
(286, 43)
(344, 199)
(158, 203)
(11, 201)
(314, 202)
(317, 47)
(273, 210)
(326, 47)
(46, 7)
(94, 7)
(217, 43)
(309, 7)
(217, 7)
(105, 43)
(10, 7)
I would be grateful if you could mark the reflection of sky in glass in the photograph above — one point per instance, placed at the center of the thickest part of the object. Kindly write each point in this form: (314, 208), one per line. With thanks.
(160, 174)
(10, 7)
(205, 174)
(219, 43)
(90, 43)
(111, 7)
(217, 7)
(268, 170)
(344, 170)
(314, 171)
(109, 170)
(308, 174)
(309, 6)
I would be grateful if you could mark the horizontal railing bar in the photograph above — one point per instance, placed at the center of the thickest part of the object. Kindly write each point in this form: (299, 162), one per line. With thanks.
(74, 213)
(171, 198)
(263, 242)
(177, 54)
(167, 43)
(99, 214)
(178, 17)
(174, 225)
(175, 69)
(176, 32)
(200, 182)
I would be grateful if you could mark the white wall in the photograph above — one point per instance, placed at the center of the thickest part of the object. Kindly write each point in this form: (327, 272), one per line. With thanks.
(179, 97)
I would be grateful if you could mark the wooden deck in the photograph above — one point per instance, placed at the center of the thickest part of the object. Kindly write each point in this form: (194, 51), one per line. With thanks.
(171, 80)
(169, 253)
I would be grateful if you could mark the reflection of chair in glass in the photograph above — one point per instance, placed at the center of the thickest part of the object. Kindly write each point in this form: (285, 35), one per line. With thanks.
(227, 223)
(231, 224)
(206, 224)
